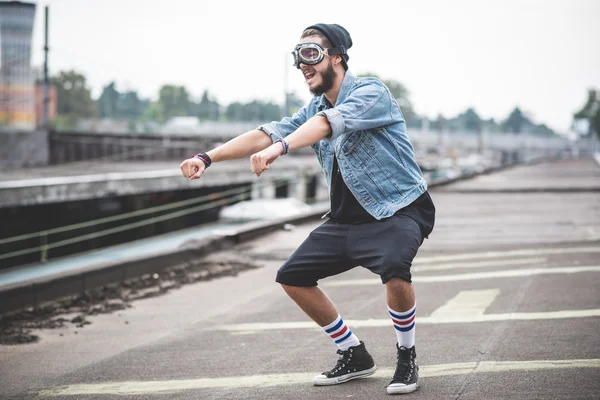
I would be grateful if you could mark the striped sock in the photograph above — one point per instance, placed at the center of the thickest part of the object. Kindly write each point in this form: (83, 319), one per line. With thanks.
(341, 334)
(404, 322)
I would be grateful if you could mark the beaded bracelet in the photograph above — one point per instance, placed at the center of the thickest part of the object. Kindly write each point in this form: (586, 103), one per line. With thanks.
(286, 147)
(204, 158)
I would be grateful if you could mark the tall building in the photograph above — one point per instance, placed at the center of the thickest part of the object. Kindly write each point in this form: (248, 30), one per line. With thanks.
(17, 89)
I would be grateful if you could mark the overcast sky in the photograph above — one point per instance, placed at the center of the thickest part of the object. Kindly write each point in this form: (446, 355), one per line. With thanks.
(539, 55)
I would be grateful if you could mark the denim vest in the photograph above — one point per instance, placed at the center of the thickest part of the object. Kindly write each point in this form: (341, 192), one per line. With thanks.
(369, 139)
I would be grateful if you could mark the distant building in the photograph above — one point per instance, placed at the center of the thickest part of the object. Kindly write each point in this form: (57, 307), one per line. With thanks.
(17, 90)
(103, 125)
(181, 125)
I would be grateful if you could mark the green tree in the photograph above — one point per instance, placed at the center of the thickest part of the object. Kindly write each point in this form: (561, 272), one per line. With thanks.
(402, 96)
(173, 101)
(153, 112)
(591, 111)
(470, 121)
(267, 111)
(490, 125)
(116, 105)
(542, 129)
(129, 106)
(440, 123)
(107, 103)
(516, 122)
(74, 99)
(255, 110)
(235, 111)
(207, 108)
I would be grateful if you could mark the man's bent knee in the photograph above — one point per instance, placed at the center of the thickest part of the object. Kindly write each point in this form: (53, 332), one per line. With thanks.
(398, 285)
(395, 281)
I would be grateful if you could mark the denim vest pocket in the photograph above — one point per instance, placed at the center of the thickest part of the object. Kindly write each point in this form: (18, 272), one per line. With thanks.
(397, 147)
(358, 148)
(361, 152)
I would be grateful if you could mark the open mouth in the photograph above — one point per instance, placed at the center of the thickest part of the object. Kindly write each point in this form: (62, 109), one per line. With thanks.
(309, 75)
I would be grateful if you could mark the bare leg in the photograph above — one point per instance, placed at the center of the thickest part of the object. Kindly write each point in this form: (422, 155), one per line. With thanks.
(401, 298)
(314, 302)
(358, 362)
(400, 294)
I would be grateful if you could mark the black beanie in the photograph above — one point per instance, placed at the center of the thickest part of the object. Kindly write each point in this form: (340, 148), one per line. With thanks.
(337, 36)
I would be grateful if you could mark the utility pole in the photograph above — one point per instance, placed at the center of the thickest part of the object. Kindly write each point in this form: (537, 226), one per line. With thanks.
(286, 103)
(46, 82)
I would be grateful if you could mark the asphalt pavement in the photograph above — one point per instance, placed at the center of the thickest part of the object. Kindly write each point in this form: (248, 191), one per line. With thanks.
(508, 307)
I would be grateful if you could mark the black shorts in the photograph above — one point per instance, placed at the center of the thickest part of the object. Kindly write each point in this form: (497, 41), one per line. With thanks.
(386, 247)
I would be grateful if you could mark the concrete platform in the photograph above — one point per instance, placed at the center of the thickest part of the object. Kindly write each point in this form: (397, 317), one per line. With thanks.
(508, 308)
(568, 176)
(86, 180)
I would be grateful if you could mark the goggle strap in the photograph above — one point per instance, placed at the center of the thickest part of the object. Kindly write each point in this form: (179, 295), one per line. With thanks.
(334, 51)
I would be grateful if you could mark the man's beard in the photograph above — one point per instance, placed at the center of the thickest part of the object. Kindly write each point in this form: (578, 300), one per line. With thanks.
(327, 78)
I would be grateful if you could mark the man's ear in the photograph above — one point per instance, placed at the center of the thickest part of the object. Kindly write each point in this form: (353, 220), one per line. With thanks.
(338, 59)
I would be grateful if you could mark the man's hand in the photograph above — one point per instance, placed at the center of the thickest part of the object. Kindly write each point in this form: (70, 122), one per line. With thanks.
(192, 168)
(261, 161)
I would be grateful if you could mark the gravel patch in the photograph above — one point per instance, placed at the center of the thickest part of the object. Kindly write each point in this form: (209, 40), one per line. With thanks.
(20, 327)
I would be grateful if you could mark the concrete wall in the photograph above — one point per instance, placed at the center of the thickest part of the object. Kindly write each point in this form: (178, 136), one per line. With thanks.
(23, 148)
(18, 189)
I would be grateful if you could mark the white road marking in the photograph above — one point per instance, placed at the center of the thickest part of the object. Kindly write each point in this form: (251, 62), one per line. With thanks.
(441, 319)
(479, 264)
(169, 386)
(472, 276)
(467, 303)
(507, 253)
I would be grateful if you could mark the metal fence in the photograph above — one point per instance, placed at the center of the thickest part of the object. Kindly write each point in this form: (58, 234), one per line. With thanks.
(81, 146)
(526, 145)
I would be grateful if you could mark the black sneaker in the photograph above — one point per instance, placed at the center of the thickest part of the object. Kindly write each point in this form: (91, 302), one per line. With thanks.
(356, 362)
(406, 377)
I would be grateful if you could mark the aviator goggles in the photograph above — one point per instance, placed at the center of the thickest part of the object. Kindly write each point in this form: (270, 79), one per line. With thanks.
(313, 53)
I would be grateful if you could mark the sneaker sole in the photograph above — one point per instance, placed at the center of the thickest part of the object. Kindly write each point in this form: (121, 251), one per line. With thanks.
(318, 381)
(404, 389)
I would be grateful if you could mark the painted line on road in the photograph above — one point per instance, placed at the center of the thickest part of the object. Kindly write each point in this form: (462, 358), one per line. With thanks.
(417, 266)
(507, 253)
(467, 303)
(431, 320)
(472, 276)
(272, 380)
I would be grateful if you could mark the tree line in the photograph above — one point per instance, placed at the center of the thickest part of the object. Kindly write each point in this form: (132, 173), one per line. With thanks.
(75, 102)
(590, 113)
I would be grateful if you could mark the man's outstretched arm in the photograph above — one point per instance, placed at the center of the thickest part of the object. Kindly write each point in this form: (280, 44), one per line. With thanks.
(309, 133)
(242, 146)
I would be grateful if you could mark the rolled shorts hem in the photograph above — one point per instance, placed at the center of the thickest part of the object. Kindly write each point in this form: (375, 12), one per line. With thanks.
(294, 281)
(400, 273)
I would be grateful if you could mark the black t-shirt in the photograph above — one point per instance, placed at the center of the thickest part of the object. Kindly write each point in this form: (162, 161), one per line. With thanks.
(344, 206)
(346, 209)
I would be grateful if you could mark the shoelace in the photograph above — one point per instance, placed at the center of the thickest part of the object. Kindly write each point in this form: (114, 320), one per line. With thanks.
(344, 357)
(404, 369)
